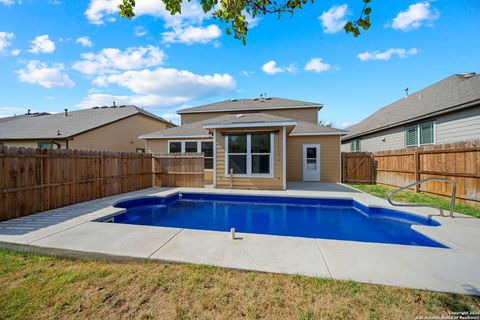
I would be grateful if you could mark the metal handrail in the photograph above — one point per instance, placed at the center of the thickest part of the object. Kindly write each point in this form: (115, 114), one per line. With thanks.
(452, 196)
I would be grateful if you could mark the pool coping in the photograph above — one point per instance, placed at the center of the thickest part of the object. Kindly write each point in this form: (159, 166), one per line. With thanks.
(456, 270)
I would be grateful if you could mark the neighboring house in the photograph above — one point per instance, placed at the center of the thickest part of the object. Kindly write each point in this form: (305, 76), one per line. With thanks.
(255, 143)
(447, 111)
(98, 129)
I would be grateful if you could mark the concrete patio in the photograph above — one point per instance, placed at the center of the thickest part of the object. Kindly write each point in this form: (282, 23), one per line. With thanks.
(72, 231)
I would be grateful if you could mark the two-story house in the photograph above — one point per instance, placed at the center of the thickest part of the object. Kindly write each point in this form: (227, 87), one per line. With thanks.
(255, 143)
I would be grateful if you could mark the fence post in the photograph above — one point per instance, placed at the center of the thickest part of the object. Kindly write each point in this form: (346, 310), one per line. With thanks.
(416, 157)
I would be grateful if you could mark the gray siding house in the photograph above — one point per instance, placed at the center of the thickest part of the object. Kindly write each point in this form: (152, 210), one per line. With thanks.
(447, 111)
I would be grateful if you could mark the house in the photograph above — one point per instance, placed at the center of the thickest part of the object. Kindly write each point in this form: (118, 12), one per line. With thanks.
(100, 129)
(255, 143)
(447, 111)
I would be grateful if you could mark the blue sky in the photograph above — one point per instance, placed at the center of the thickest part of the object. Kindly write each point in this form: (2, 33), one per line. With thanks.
(57, 54)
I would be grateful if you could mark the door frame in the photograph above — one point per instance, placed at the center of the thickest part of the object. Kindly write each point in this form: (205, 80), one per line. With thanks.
(304, 160)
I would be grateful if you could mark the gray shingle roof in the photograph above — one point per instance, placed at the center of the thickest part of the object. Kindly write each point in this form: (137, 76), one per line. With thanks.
(47, 126)
(232, 119)
(23, 116)
(305, 128)
(456, 91)
(249, 104)
(195, 129)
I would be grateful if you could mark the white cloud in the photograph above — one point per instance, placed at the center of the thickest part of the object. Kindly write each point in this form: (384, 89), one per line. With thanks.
(415, 16)
(152, 101)
(99, 10)
(5, 40)
(15, 52)
(247, 73)
(271, 68)
(316, 65)
(161, 88)
(386, 55)
(111, 60)
(252, 22)
(347, 124)
(172, 117)
(181, 28)
(11, 111)
(42, 44)
(334, 19)
(41, 74)
(190, 34)
(7, 2)
(140, 31)
(172, 82)
(85, 42)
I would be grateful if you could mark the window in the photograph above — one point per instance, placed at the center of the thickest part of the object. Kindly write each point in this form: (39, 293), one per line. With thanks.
(420, 134)
(45, 145)
(191, 146)
(207, 149)
(175, 147)
(249, 154)
(140, 150)
(355, 145)
(194, 146)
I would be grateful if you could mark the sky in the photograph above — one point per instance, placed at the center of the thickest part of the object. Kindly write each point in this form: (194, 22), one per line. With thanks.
(77, 54)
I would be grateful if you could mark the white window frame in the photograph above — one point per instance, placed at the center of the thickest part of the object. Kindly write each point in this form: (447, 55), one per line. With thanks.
(352, 144)
(417, 126)
(249, 154)
(199, 147)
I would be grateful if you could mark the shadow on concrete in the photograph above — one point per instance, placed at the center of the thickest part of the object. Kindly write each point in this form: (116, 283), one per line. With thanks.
(320, 186)
(37, 221)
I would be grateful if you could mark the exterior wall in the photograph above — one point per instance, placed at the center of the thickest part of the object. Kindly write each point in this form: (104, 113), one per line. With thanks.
(330, 161)
(275, 183)
(118, 136)
(307, 114)
(161, 146)
(457, 126)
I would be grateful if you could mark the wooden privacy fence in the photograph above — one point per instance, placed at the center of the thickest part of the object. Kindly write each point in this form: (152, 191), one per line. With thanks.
(179, 170)
(358, 167)
(458, 161)
(35, 180)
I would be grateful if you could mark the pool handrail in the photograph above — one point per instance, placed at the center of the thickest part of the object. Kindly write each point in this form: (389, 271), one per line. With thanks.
(452, 196)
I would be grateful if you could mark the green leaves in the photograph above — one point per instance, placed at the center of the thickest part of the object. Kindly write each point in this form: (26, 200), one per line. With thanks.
(126, 9)
(234, 12)
(362, 22)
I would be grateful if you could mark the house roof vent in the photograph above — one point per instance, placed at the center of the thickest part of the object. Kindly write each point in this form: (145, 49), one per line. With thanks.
(469, 74)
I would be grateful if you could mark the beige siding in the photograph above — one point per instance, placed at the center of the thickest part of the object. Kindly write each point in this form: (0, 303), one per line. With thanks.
(329, 157)
(118, 136)
(453, 127)
(306, 114)
(275, 183)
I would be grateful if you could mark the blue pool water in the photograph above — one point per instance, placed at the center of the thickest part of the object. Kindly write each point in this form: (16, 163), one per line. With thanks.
(337, 219)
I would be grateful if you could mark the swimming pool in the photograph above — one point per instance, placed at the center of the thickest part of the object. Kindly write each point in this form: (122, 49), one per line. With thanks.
(339, 219)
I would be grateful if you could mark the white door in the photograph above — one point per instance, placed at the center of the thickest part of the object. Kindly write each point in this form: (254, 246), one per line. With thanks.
(311, 162)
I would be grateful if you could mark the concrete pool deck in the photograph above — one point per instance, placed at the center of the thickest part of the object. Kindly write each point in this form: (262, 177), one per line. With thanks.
(72, 231)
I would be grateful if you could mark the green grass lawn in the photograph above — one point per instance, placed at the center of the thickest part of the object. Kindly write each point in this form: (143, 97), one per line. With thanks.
(41, 287)
(412, 197)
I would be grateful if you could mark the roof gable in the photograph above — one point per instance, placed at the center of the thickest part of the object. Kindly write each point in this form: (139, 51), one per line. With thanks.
(251, 104)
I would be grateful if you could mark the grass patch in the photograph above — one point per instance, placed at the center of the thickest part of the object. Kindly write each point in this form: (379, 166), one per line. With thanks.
(39, 287)
(408, 196)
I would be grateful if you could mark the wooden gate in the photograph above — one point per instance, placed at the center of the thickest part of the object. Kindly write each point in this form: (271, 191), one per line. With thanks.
(179, 170)
(358, 167)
